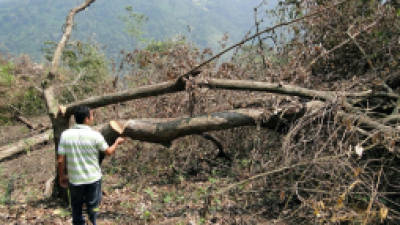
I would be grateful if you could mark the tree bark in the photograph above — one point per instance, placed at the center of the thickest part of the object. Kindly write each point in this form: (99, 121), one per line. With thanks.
(114, 98)
(286, 89)
(165, 131)
(24, 145)
(59, 121)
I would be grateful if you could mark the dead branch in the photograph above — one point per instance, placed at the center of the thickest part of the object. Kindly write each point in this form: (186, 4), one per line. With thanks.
(12, 149)
(141, 92)
(20, 118)
(284, 168)
(285, 89)
(197, 68)
(341, 44)
(245, 85)
(67, 33)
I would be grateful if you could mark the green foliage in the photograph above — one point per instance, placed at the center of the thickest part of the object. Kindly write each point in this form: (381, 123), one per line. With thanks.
(30, 102)
(134, 23)
(163, 46)
(87, 63)
(6, 74)
(209, 20)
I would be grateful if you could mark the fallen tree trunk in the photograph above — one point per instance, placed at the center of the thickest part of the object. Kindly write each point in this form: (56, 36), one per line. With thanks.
(165, 131)
(24, 145)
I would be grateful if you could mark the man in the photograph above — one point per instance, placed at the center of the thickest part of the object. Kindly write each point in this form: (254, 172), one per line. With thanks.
(79, 151)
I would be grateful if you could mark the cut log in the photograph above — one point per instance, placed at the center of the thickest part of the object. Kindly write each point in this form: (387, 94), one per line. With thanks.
(24, 145)
(164, 132)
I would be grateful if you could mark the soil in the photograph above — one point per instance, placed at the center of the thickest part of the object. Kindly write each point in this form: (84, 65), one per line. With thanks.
(137, 189)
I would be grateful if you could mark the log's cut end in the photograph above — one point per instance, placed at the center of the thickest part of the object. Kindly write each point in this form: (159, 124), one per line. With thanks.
(119, 128)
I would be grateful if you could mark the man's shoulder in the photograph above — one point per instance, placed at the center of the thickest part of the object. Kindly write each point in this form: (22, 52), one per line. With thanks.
(81, 132)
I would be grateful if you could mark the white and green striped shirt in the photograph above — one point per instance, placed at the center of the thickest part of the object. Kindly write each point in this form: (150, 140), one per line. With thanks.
(81, 145)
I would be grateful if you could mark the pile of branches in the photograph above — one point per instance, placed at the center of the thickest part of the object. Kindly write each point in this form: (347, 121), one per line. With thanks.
(339, 163)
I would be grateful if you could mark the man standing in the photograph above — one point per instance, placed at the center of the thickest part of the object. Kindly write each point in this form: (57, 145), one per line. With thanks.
(79, 151)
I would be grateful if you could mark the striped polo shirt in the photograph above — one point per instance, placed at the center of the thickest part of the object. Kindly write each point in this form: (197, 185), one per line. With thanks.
(81, 145)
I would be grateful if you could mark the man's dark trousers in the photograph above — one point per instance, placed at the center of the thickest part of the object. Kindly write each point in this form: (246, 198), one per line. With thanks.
(90, 194)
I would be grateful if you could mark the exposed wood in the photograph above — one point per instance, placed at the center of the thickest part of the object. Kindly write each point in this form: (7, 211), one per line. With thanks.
(24, 145)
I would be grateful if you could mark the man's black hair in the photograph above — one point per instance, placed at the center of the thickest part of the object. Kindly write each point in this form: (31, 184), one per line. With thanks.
(80, 113)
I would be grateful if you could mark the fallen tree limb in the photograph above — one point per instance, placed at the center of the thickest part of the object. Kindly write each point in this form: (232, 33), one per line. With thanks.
(368, 122)
(114, 98)
(284, 168)
(245, 85)
(164, 131)
(286, 89)
(12, 149)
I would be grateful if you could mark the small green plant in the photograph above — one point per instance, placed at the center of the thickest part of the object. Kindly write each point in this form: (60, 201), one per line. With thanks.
(202, 220)
(29, 102)
(167, 198)
(146, 215)
(6, 74)
(134, 23)
(150, 192)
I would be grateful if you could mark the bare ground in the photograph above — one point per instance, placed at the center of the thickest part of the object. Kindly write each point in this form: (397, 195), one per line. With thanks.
(140, 186)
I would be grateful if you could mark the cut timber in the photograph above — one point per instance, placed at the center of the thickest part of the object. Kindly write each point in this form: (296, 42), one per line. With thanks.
(23, 145)
(164, 132)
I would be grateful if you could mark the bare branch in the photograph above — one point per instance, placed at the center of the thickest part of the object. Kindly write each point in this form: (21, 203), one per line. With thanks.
(24, 145)
(197, 68)
(67, 33)
(141, 92)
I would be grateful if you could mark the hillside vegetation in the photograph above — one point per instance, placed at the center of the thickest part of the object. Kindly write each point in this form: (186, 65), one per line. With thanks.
(329, 157)
(26, 24)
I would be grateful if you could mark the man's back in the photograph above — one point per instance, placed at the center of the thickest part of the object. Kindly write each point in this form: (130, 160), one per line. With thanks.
(81, 146)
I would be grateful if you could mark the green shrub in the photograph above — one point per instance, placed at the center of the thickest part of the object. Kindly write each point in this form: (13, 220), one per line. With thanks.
(29, 102)
(6, 74)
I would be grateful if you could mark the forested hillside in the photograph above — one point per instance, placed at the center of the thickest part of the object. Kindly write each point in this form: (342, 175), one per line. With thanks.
(26, 24)
(299, 125)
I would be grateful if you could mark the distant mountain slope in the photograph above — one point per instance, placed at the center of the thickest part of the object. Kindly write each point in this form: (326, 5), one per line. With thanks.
(26, 24)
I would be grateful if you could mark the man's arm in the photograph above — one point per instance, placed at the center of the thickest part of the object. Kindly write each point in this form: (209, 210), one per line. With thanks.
(110, 150)
(62, 177)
